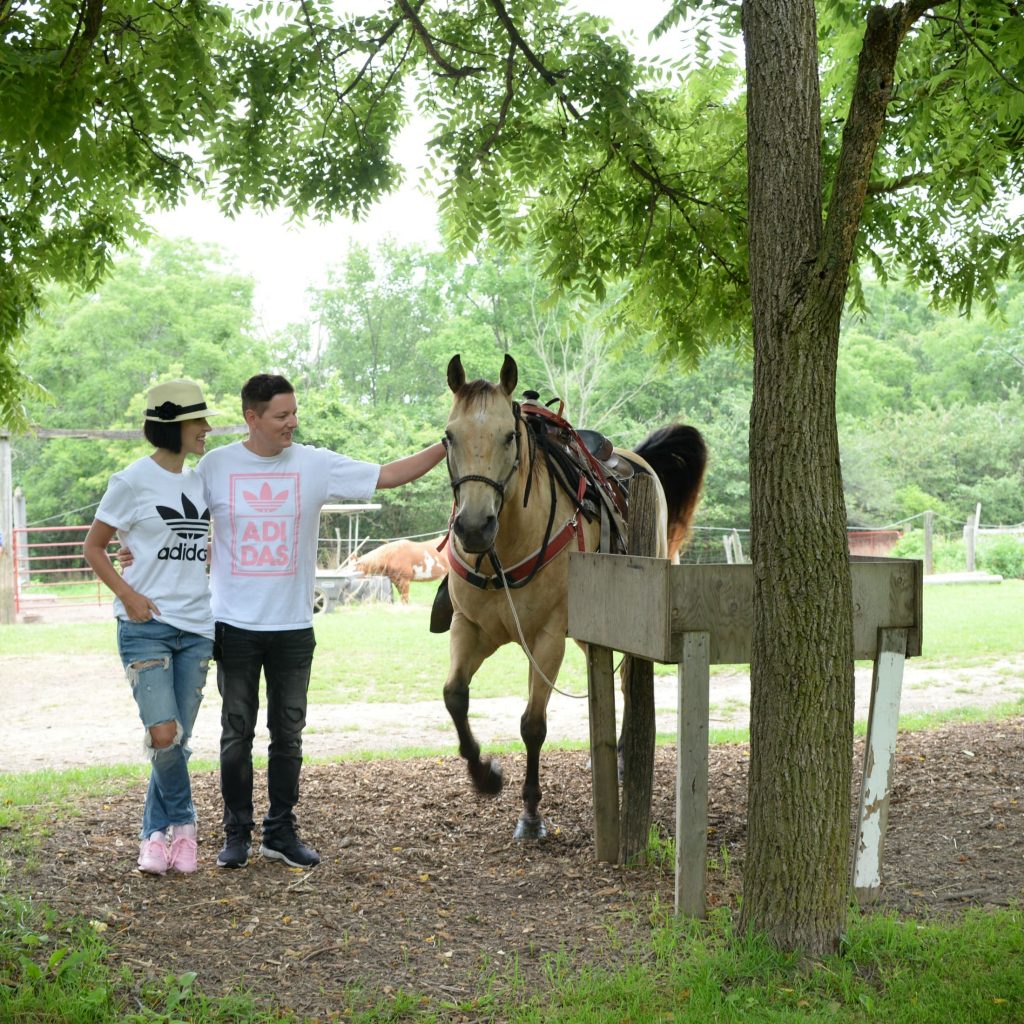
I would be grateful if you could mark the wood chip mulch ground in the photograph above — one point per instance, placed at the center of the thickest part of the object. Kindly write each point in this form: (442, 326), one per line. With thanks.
(422, 889)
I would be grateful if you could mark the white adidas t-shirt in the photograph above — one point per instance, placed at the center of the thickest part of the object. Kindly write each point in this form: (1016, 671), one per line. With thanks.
(163, 518)
(266, 523)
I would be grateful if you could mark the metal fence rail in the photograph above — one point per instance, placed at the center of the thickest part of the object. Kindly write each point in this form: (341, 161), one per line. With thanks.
(50, 570)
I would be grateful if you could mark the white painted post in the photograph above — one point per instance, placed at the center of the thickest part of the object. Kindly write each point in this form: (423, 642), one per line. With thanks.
(692, 774)
(879, 763)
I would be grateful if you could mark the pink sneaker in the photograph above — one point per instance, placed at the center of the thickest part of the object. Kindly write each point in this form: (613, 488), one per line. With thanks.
(153, 855)
(183, 849)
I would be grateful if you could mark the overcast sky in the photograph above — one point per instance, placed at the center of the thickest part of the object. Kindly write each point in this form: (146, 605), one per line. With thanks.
(285, 259)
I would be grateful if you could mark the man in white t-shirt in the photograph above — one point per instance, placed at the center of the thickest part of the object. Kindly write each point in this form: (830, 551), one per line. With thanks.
(265, 494)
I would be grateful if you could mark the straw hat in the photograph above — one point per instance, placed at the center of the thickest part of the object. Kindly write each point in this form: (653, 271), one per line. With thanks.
(177, 400)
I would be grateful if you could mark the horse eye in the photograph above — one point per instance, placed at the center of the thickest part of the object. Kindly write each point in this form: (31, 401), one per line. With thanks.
(511, 437)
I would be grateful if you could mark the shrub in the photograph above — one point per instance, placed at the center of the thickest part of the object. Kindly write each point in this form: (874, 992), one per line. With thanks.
(948, 555)
(1004, 557)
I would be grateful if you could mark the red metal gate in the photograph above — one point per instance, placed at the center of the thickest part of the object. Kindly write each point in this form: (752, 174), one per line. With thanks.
(50, 570)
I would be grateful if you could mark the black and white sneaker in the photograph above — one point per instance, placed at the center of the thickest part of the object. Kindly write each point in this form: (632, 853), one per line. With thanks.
(235, 853)
(291, 850)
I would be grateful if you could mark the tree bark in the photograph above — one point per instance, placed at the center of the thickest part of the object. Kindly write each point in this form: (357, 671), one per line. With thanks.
(795, 879)
(802, 696)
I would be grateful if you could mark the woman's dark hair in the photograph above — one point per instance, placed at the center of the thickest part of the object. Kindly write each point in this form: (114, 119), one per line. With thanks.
(163, 435)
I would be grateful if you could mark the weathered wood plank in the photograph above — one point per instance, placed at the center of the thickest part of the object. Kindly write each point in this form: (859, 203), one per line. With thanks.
(638, 727)
(621, 596)
(692, 775)
(604, 767)
(650, 604)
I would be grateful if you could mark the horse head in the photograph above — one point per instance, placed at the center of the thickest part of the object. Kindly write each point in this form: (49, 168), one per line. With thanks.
(482, 442)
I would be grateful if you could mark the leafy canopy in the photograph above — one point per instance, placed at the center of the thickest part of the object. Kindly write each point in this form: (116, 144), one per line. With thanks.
(547, 130)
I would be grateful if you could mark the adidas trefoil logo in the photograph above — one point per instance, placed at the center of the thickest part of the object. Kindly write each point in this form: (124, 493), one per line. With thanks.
(266, 500)
(190, 526)
(187, 523)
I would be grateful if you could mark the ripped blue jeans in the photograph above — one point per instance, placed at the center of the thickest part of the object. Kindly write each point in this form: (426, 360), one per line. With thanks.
(167, 670)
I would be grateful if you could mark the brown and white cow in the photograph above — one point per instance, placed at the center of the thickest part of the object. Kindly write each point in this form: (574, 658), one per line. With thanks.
(403, 561)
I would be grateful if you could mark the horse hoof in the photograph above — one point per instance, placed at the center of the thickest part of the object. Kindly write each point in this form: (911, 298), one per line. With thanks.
(530, 828)
(487, 777)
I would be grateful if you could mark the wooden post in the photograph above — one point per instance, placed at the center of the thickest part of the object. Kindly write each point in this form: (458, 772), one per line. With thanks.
(929, 526)
(737, 547)
(7, 529)
(604, 767)
(969, 544)
(879, 763)
(692, 774)
(638, 726)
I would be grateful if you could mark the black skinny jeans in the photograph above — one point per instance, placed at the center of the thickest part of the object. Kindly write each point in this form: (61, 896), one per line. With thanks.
(285, 658)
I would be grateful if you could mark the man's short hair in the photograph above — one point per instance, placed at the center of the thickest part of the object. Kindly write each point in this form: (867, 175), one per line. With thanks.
(257, 391)
(163, 435)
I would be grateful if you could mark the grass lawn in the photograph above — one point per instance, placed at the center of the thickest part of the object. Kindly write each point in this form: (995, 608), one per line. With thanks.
(387, 653)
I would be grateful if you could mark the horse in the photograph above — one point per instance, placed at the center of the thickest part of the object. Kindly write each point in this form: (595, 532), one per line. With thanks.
(403, 561)
(518, 509)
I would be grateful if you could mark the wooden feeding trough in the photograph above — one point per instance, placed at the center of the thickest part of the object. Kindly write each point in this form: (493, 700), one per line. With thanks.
(696, 616)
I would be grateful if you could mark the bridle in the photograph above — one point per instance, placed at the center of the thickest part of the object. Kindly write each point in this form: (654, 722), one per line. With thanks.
(499, 486)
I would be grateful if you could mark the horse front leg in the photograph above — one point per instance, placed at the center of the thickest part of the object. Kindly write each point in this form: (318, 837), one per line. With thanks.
(468, 647)
(548, 652)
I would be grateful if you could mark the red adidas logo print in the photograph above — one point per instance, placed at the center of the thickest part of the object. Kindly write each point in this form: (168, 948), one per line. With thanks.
(266, 500)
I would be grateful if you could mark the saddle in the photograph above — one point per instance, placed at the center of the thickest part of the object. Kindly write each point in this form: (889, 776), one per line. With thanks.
(594, 455)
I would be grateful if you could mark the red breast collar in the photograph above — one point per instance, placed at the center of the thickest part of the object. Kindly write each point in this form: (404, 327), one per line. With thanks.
(522, 572)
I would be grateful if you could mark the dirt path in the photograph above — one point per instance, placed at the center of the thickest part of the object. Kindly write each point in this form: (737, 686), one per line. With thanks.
(62, 712)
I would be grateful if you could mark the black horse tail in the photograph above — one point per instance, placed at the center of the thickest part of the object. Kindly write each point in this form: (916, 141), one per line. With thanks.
(678, 456)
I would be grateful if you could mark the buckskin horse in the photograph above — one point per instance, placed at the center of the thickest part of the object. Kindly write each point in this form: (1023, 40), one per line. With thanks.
(525, 493)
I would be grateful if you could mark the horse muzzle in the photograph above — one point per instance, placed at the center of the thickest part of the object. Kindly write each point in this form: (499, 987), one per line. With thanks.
(475, 534)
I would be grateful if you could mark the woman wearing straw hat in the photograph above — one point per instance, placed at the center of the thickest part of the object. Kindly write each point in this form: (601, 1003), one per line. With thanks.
(162, 604)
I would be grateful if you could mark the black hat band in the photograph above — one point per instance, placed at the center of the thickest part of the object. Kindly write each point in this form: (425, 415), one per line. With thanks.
(171, 410)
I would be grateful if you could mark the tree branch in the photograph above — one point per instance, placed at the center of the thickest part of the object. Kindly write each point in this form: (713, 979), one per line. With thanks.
(450, 70)
(880, 188)
(886, 29)
(538, 65)
(506, 104)
(90, 17)
(959, 22)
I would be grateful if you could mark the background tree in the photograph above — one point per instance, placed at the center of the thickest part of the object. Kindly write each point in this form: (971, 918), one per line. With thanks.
(375, 311)
(174, 310)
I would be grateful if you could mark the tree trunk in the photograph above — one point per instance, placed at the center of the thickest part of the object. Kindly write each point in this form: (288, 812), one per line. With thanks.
(802, 695)
(801, 672)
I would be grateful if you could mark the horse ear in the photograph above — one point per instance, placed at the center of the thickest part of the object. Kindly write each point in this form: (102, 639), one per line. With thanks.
(456, 374)
(509, 375)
